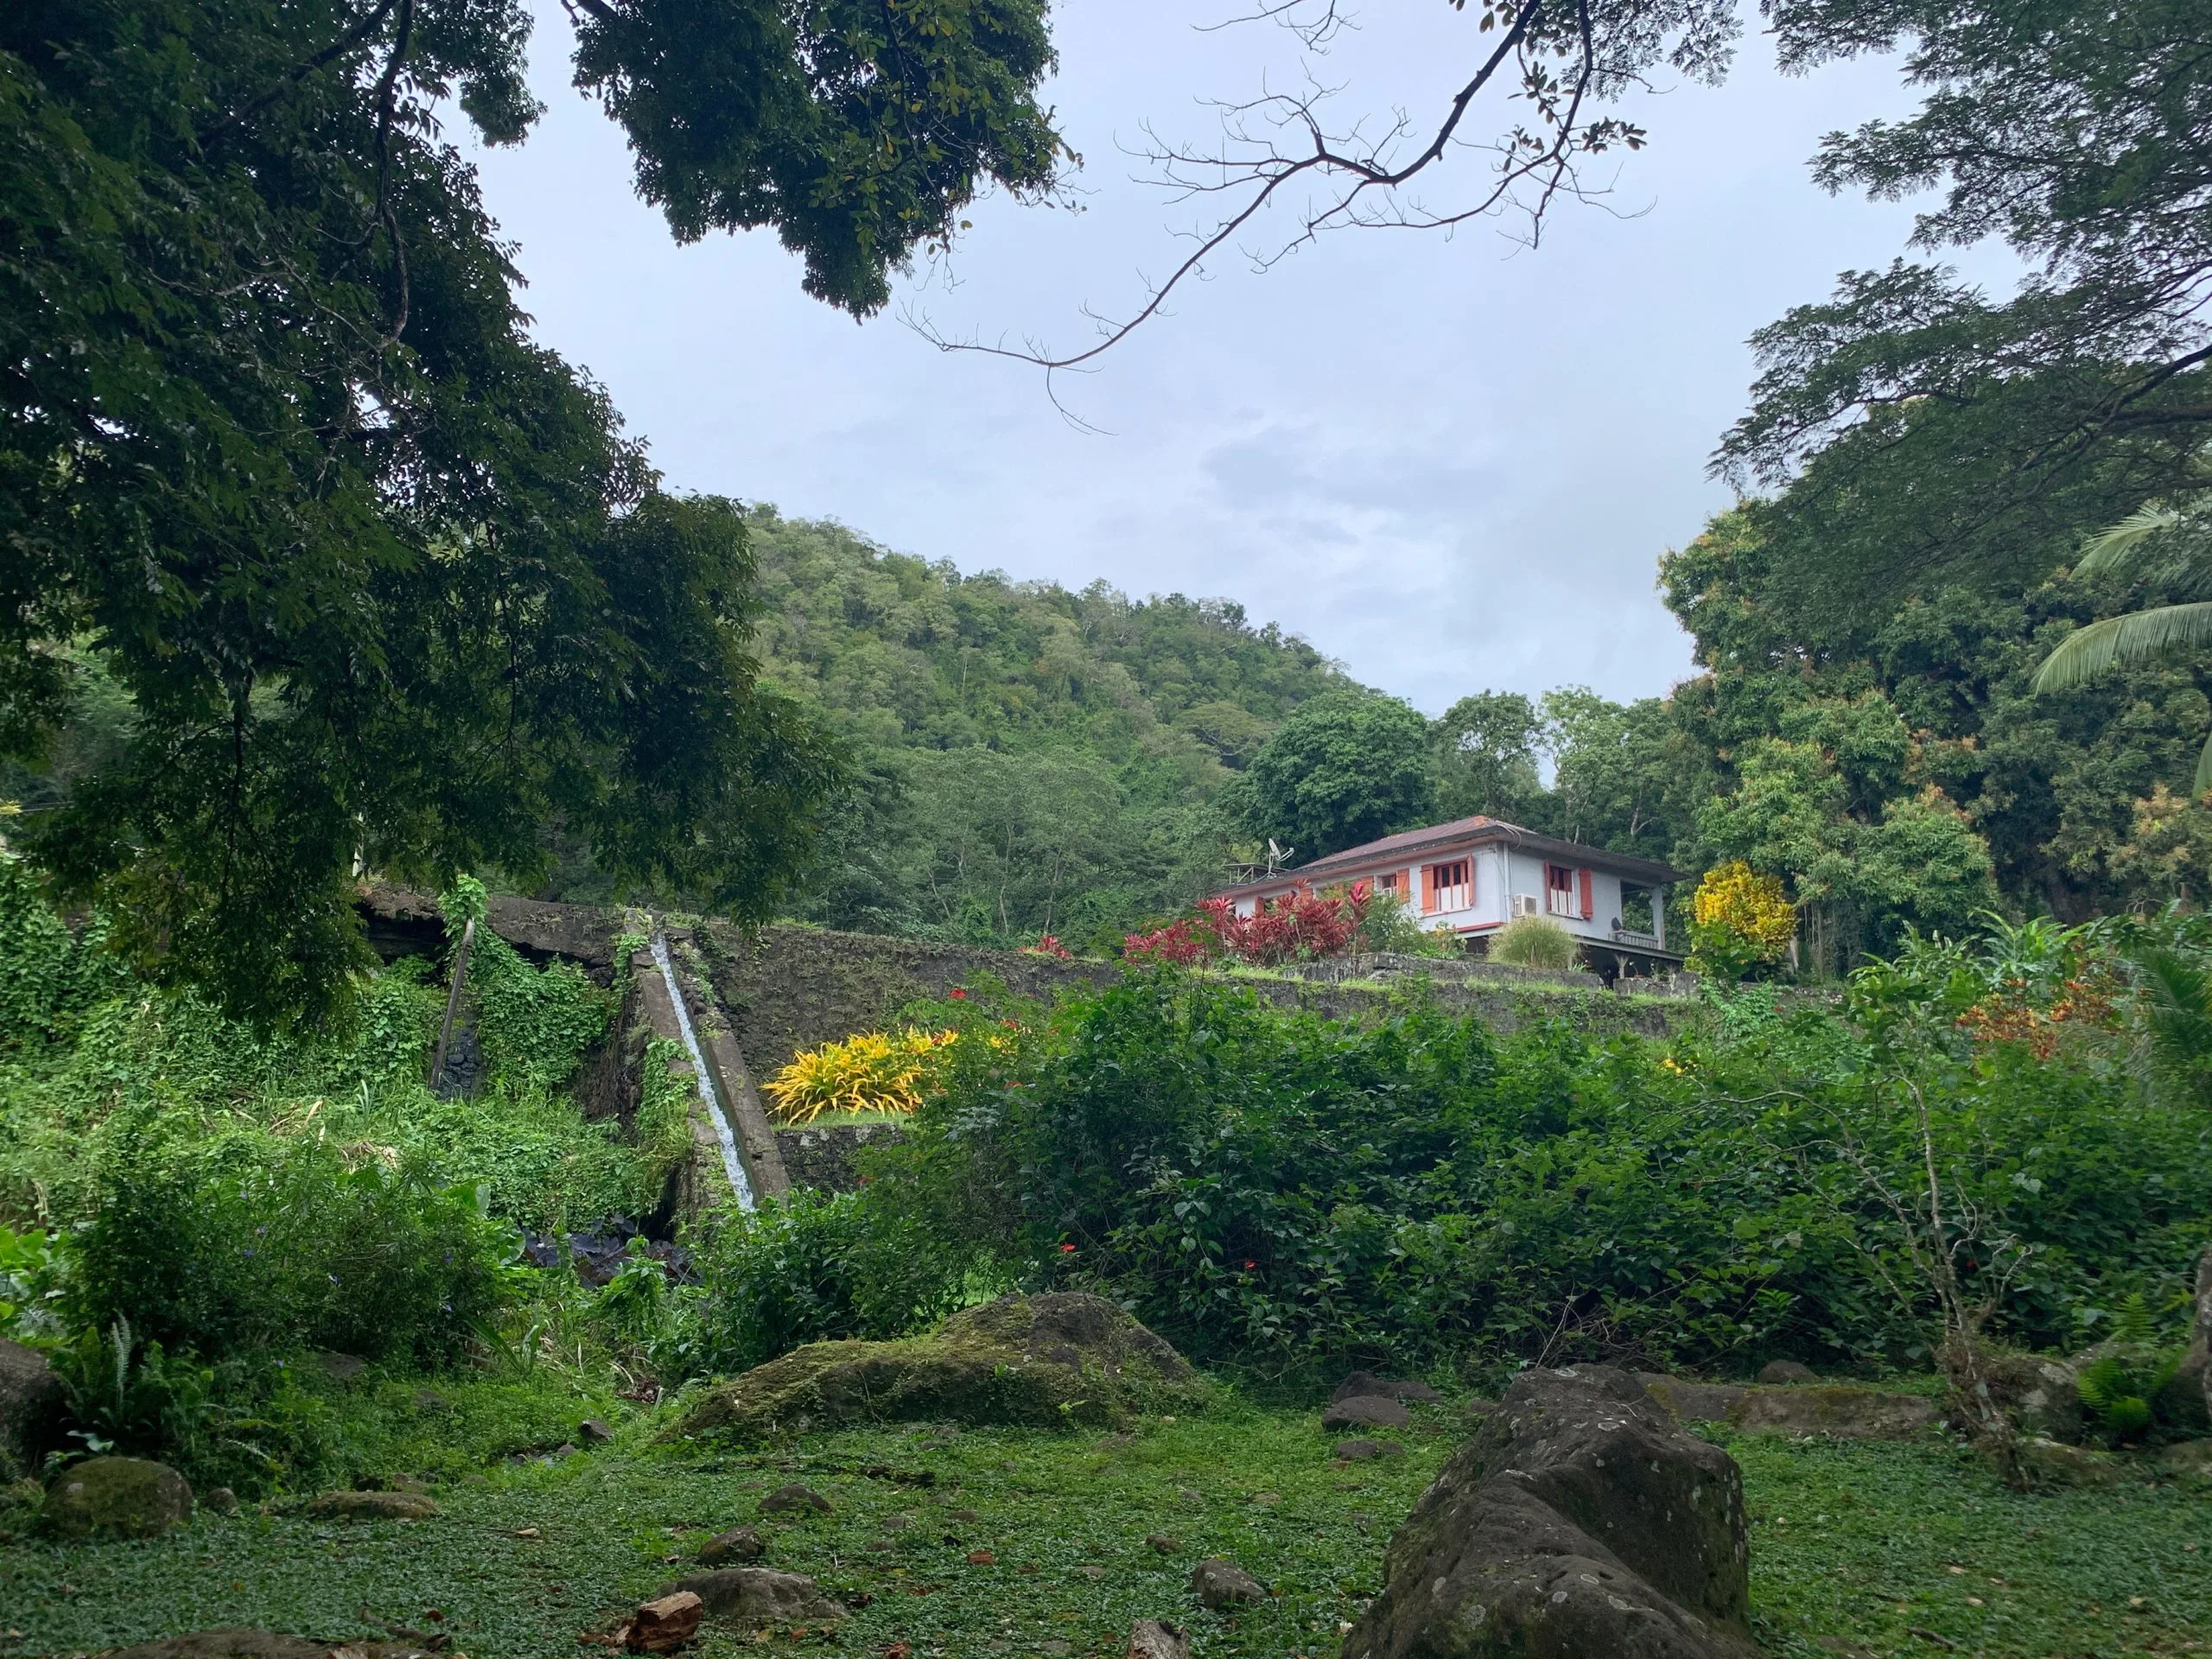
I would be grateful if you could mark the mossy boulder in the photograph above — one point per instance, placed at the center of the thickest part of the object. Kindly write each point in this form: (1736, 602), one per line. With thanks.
(1022, 1361)
(115, 1497)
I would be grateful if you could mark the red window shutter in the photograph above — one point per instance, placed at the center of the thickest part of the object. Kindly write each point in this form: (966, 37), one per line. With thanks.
(1588, 909)
(1427, 888)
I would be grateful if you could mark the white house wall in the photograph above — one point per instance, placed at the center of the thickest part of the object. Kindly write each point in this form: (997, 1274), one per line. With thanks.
(1499, 873)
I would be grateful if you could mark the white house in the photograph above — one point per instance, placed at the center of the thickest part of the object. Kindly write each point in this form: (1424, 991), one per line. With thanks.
(1472, 876)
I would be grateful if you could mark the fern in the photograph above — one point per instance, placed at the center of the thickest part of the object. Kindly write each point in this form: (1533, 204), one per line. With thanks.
(2118, 1387)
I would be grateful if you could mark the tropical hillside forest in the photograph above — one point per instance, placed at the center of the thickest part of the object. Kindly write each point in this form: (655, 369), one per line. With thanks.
(1029, 760)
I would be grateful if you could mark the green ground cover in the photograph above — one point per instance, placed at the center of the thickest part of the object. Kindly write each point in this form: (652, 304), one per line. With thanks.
(1879, 1549)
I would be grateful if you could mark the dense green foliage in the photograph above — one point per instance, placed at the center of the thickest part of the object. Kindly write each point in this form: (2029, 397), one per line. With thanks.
(221, 1200)
(379, 578)
(1263, 1184)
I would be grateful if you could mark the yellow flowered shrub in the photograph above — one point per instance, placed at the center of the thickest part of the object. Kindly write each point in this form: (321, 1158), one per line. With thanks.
(872, 1072)
(1740, 920)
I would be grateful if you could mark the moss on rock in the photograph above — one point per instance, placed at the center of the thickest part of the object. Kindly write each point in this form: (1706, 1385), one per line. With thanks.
(115, 1498)
(1026, 1361)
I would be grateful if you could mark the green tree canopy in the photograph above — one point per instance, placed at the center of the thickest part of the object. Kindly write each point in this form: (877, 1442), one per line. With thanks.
(1346, 768)
(1926, 431)
(380, 578)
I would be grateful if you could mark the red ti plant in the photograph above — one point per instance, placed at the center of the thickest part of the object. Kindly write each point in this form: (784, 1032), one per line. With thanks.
(1300, 927)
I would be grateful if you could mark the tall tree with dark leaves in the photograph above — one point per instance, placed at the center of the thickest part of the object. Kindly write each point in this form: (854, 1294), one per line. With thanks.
(1928, 432)
(382, 580)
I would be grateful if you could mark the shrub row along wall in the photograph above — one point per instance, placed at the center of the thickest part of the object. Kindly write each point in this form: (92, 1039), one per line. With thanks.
(786, 988)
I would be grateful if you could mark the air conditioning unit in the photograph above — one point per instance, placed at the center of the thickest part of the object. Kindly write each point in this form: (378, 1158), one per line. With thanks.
(1525, 903)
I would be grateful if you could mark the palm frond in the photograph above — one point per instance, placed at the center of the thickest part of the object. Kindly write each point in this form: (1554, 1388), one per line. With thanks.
(2121, 545)
(2177, 1005)
(2124, 642)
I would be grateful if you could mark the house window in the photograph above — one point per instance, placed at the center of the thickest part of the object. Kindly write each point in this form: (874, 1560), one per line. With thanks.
(1560, 896)
(1391, 885)
(1448, 887)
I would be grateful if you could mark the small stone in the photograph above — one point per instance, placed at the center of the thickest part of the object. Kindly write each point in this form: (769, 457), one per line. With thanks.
(528, 1532)
(738, 1544)
(221, 1501)
(896, 1522)
(795, 1497)
(596, 1430)
(1151, 1639)
(1224, 1583)
(666, 1624)
(566, 1449)
(1163, 1543)
(757, 1596)
(1189, 1499)
(2049, 1463)
(373, 1506)
(1361, 1450)
(1265, 1500)
(431, 1400)
(1093, 1572)
(1363, 1410)
(1786, 1371)
(962, 1515)
(981, 1558)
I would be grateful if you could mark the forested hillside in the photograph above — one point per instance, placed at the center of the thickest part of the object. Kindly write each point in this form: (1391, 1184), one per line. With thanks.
(1025, 758)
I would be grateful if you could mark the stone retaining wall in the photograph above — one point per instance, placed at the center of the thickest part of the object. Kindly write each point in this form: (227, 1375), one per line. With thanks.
(824, 1158)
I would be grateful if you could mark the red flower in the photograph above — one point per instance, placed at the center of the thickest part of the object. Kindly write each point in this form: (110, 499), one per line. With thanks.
(959, 996)
(1067, 1249)
(1249, 1266)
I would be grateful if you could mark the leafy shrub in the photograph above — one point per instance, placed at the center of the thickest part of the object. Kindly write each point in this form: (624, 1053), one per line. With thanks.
(1740, 920)
(812, 1268)
(1533, 942)
(50, 976)
(1265, 1185)
(870, 1073)
(245, 1241)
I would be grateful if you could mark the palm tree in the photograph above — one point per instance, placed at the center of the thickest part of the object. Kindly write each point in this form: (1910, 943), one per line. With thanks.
(2174, 544)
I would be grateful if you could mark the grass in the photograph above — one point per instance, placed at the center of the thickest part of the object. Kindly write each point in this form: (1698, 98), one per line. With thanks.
(1855, 1544)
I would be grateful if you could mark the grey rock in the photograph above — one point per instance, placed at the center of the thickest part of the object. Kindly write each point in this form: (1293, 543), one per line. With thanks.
(1361, 1450)
(2188, 1464)
(738, 1544)
(1786, 1371)
(1579, 1520)
(1093, 1572)
(1149, 1638)
(115, 1497)
(2042, 1396)
(30, 1408)
(221, 1501)
(596, 1430)
(797, 1499)
(374, 1506)
(759, 1595)
(2047, 1463)
(431, 1400)
(1366, 1410)
(1367, 1383)
(342, 1368)
(1829, 1410)
(1224, 1583)
(1164, 1545)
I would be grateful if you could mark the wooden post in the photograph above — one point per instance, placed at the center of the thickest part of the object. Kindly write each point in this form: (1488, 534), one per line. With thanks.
(453, 1003)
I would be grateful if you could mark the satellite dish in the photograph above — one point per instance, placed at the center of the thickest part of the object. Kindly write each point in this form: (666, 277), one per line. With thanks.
(1277, 856)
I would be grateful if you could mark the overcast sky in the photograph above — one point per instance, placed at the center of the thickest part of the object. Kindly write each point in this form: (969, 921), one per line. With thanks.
(1449, 463)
